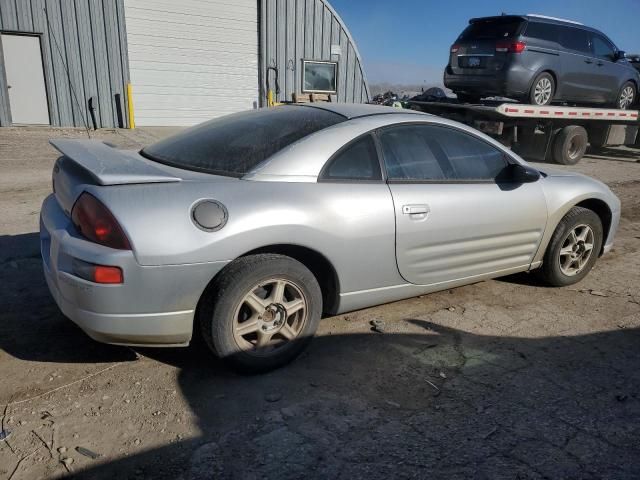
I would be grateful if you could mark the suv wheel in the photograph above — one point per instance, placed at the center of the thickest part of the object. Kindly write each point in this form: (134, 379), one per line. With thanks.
(542, 89)
(627, 96)
(261, 312)
(573, 249)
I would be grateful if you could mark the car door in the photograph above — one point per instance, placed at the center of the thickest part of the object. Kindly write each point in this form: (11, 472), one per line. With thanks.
(608, 75)
(577, 61)
(454, 219)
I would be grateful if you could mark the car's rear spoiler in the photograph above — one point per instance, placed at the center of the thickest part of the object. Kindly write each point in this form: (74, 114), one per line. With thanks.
(110, 166)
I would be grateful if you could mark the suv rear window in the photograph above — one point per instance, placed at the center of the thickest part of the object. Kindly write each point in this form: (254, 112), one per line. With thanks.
(492, 29)
(233, 145)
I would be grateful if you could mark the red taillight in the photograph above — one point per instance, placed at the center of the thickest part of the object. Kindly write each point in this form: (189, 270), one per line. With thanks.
(97, 273)
(96, 223)
(455, 48)
(510, 47)
(102, 274)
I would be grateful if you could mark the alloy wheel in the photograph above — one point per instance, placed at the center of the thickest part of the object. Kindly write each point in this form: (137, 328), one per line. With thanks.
(542, 91)
(626, 97)
(270, 316)
(576, 250)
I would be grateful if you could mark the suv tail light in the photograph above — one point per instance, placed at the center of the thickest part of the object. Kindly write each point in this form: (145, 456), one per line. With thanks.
(455, 48)
(97, 224)
(510, 47)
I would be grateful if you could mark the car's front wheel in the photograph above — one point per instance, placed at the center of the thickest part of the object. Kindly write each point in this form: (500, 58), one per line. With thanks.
(573, 249)
(627, 96)
(261, 312)
(542, 90)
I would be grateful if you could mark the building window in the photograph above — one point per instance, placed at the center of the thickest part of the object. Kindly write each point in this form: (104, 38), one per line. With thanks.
(319, 77)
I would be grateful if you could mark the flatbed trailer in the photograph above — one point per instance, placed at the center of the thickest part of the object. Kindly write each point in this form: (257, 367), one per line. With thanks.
(543, 133)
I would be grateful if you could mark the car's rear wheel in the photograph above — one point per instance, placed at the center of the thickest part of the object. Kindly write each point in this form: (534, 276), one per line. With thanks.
(542, 90)
(570, 145)
(261, 312)
(573, 249)
(627, 96)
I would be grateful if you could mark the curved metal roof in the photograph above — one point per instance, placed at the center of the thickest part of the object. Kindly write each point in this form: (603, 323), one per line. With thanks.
(295, 30)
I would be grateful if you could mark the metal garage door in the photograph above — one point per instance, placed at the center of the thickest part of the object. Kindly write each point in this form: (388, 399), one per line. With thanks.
(191, 60)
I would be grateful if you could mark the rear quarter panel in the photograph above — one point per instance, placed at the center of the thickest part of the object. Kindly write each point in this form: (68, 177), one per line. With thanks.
(352, 225)
(541, 56)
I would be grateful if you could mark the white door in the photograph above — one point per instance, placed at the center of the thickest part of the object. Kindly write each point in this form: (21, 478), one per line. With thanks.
(191, 60)
(25, 79)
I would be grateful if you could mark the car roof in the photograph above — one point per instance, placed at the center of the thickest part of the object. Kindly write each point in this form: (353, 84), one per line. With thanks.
(302, 161)
(357, 110)
(537, 18)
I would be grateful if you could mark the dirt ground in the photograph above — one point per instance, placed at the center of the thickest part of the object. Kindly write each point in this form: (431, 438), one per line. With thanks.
(500, 379)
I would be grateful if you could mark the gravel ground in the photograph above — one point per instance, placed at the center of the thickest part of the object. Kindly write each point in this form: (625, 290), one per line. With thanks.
(500, 379)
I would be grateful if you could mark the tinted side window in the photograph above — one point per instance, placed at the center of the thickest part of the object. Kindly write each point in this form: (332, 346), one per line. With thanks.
(575, 39)
(543, 31)
(408, 155)
(426, 152)
(470, 157)
(358, 161)
(602, 48)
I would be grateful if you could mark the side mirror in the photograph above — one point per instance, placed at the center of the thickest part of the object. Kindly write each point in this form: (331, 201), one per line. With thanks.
(524, 174)
(620, 54)
(516, 173)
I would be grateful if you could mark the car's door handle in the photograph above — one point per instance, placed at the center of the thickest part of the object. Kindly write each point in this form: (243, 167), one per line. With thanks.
(420, 209)
(588, 61)
(600, 64)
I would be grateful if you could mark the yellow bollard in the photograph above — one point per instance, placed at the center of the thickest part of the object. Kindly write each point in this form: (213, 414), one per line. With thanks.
(132, 122)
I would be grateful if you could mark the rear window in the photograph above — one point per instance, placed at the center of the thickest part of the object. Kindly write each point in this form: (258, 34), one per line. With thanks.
(491, 29)
(233, 145)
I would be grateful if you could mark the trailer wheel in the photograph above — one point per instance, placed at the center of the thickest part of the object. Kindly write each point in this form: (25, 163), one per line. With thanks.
(570, 145)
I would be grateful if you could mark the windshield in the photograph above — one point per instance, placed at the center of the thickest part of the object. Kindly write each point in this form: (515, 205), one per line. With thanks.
(492, 29)
(233, 145)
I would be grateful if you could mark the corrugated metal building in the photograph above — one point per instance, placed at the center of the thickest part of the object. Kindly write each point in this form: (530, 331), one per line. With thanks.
(68, 62)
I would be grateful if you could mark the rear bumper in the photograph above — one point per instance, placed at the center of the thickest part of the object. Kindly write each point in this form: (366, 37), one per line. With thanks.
(513, 82)
(154, 306)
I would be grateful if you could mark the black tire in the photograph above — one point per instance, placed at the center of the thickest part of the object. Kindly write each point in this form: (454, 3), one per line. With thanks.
(467, 98)
(620, 100)
(543, 80)
(570, 145)
(224, 297)
(551, 271)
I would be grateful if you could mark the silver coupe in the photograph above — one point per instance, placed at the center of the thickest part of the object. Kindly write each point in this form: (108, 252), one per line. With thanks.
(248, 228)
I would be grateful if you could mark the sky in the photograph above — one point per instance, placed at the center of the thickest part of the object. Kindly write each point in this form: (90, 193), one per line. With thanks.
(407, 41)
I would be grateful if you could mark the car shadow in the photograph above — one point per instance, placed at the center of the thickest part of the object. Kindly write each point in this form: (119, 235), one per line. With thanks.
(614, 154)
(530, 279)
(424, 399)
(32, 328)
(470, 406)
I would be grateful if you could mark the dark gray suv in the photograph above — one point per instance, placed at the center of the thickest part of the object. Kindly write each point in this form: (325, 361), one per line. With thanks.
(539, 60)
